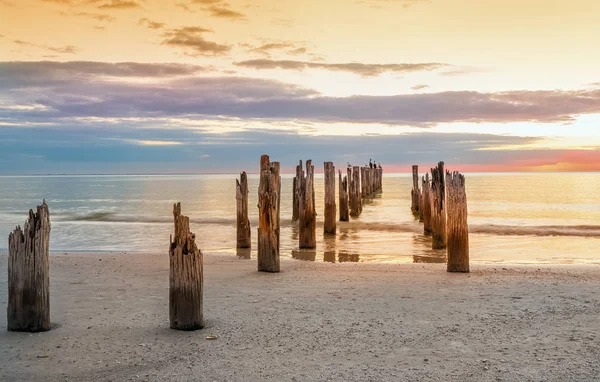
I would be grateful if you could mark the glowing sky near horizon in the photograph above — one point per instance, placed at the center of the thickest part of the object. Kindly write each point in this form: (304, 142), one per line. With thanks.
(209, 85)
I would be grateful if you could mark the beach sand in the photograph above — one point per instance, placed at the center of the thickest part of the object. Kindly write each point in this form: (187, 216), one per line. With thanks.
(311, 322)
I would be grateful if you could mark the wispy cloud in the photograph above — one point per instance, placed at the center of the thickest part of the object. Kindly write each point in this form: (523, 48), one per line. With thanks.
(95, 16)
(120, 4)
(68, 49)
(151, 24)
(419, 87)
(192, 41)
(403, 3)
(365, 70)
(226, 13)
(215, 8)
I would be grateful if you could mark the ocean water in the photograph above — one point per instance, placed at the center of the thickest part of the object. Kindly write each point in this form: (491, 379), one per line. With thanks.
(513, 218)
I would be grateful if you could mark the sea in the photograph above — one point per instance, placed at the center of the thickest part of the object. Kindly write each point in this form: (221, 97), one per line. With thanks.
(522, 218)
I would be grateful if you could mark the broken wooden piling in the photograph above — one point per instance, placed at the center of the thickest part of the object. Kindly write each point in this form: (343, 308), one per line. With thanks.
(415, 193)
(343, 196)
(185, 276)
(426, 205)
(457, 225)
(307, 213)
(28, 274)
(296, 192)
(355, 193)
(329, 225)
(269, 190)
(438, 207)
(243, 223)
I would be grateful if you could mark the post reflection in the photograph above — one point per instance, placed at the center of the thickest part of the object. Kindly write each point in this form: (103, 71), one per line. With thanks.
(329, 252)
(244, 253)
(345, 257)
(304, 254)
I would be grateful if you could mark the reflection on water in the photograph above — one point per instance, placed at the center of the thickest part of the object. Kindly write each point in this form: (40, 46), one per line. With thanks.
(244, 253)
(515, 218)
(304, 254)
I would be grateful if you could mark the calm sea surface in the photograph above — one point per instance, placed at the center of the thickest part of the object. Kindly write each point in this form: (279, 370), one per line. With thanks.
(513, 218)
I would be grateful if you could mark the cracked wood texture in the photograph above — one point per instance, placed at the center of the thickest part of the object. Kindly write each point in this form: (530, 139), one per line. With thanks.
(457, 225)
(296, 193)
(343, 196)
(426, 205)
(329, 225)
(185, 276)
(28, 274)
(415, 192)
(438, 207)
(269, 190)
(308, 214)
(243, 223)
(355, 194)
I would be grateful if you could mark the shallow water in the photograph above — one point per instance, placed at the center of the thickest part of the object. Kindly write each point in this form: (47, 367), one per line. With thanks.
(513, 218)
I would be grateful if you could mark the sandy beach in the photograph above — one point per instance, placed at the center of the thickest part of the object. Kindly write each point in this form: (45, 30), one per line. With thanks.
(313, 321)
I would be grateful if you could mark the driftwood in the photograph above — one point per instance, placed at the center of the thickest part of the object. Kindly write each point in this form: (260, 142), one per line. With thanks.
(28, 274)
(329, 225)
(343, 196)
(269, 200)
(426, 204)
(438, 207)
(415, 192)
(243, 223)
(185, 276)
(308, 215)
(457, 226)
(296, 193)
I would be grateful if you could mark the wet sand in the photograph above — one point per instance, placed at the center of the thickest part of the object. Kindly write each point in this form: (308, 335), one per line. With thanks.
(314, 321)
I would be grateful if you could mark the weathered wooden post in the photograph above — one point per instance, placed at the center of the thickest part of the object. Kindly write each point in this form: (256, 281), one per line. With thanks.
(415, 192)
(269, 190)
(296, 192)
(185, 276)
(355, 194)
(243, 223)
(426, 205)
(28, 274)
(329, 225)
(343, 196)
(308, 220)
(457, 225)
(438, 210)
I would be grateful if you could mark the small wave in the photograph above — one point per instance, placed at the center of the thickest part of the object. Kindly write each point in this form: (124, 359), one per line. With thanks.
(548, 230)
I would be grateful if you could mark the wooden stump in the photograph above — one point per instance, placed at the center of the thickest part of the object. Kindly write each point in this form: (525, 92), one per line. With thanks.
(415, 193)
(269, 190)
(185, 276)
(296, 193)
(243, 223)
(438, 208)
(426, 204)
(343, 196)
(457, 225)
(28, 274)
(308, 215)
(329, 225)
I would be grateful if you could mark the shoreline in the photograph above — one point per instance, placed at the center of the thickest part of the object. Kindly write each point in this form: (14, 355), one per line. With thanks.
(312, 321)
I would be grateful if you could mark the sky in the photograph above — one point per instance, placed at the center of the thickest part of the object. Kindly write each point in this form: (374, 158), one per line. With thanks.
(207, 86)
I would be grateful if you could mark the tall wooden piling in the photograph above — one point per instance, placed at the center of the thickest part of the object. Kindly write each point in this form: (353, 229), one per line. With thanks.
(185, 276)
(269, 191)
(363, 183)
(426, 205)
(438, 208)
(308, 215)
(329, 225)
(415, 192)
(296, 193)
(343, 196)
(28, 274)
(457, 225)
(243, 223)
(355, 192)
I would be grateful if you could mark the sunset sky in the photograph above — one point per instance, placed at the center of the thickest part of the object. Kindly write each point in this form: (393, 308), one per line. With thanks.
(149, 86)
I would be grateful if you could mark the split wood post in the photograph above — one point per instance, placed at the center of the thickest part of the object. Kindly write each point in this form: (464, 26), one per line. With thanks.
(457, 225)
(329, 225)
(296, 192)
(269, 190)
(355, 197)
(426, 204)
(28, 274)
(186, 277)
(438, 210)
(363, 184)
(343, 196)
(243, 223)
(308, 215)
(415, 193)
